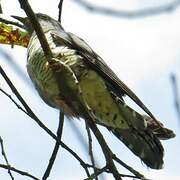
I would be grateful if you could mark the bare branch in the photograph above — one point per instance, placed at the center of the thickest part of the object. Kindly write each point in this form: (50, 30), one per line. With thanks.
(169, 7)
(97, 173)
(176, 94)
(10, 97)
(56, 148)
(105, 148)
(130, 169)
(1, 11)
(60, 11)
(23, 173)
(133, 177)
(11, 22)
(5, 157)
(91, 151)
(37, 27)
(104, 169)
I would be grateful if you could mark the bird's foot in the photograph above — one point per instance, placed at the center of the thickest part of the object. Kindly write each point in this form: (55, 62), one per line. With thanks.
(54, 64)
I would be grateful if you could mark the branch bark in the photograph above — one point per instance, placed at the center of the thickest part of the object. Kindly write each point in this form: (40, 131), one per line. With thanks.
(91, 151)
(11, 22)
(37, 27)
(56, 148)
(60, 11)
(5, 157)
(23, 173)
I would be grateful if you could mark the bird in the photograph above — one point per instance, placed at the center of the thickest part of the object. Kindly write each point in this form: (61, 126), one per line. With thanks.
(78, 81)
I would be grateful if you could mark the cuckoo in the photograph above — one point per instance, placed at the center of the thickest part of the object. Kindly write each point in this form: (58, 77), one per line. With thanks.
(78, 81)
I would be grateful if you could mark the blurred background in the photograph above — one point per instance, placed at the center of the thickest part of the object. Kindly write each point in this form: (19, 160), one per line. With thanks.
(141, 47)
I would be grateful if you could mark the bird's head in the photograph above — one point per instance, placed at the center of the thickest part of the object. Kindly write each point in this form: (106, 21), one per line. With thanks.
(45, 21)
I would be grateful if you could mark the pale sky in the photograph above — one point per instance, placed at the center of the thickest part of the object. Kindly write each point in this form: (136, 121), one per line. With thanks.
(143, 53)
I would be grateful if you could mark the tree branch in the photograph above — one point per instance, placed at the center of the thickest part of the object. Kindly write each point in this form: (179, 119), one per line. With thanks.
(10, 97)
(37, 27)
(104, 169)
(11, 22)
(60, 10)
(90, 150)
(23, 173)
(169, 7)
(5, 157)
(97, 173)
(1, 9)
(56, 148)
(105, 148)
(130, 169)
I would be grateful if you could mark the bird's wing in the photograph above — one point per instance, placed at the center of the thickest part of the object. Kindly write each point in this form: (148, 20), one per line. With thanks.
(96, 63)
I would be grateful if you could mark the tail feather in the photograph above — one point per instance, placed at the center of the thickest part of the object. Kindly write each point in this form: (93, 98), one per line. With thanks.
(144, 144)
(142, 136)
(161, 132)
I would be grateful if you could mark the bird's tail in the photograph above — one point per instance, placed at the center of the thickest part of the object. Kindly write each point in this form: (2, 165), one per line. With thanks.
(143, 136)
(144, 144)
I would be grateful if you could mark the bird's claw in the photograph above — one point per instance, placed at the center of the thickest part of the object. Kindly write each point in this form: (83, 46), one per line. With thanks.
(54, 65)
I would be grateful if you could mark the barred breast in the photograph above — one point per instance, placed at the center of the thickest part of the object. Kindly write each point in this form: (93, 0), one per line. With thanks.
(43, 76)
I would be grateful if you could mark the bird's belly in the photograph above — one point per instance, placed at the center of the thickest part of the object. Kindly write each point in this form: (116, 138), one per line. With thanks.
(100, 101)
(46, 82)
(47, 87)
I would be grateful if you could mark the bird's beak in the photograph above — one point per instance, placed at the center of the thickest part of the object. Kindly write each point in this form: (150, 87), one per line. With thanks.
(21, 19)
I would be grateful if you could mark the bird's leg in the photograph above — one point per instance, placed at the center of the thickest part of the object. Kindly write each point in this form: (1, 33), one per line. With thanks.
(55, 65)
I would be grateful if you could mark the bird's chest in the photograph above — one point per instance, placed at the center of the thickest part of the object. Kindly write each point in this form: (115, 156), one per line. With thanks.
(44, 77)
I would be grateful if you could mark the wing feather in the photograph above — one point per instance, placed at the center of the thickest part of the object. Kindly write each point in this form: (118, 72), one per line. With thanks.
(98, 64)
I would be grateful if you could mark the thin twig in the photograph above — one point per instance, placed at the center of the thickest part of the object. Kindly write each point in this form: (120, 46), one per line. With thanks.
(176, 95)
(90, 150)
(10, 97)
(84, 143)
(5, 157)
(104, 169)
(105, 148)
(133, 177)
(60, 11)
(11, 22)
(23, 173)
(56, 148)
(1, 11)
(37, 27)
(136, 173)
(97, 173)
(169, 7)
